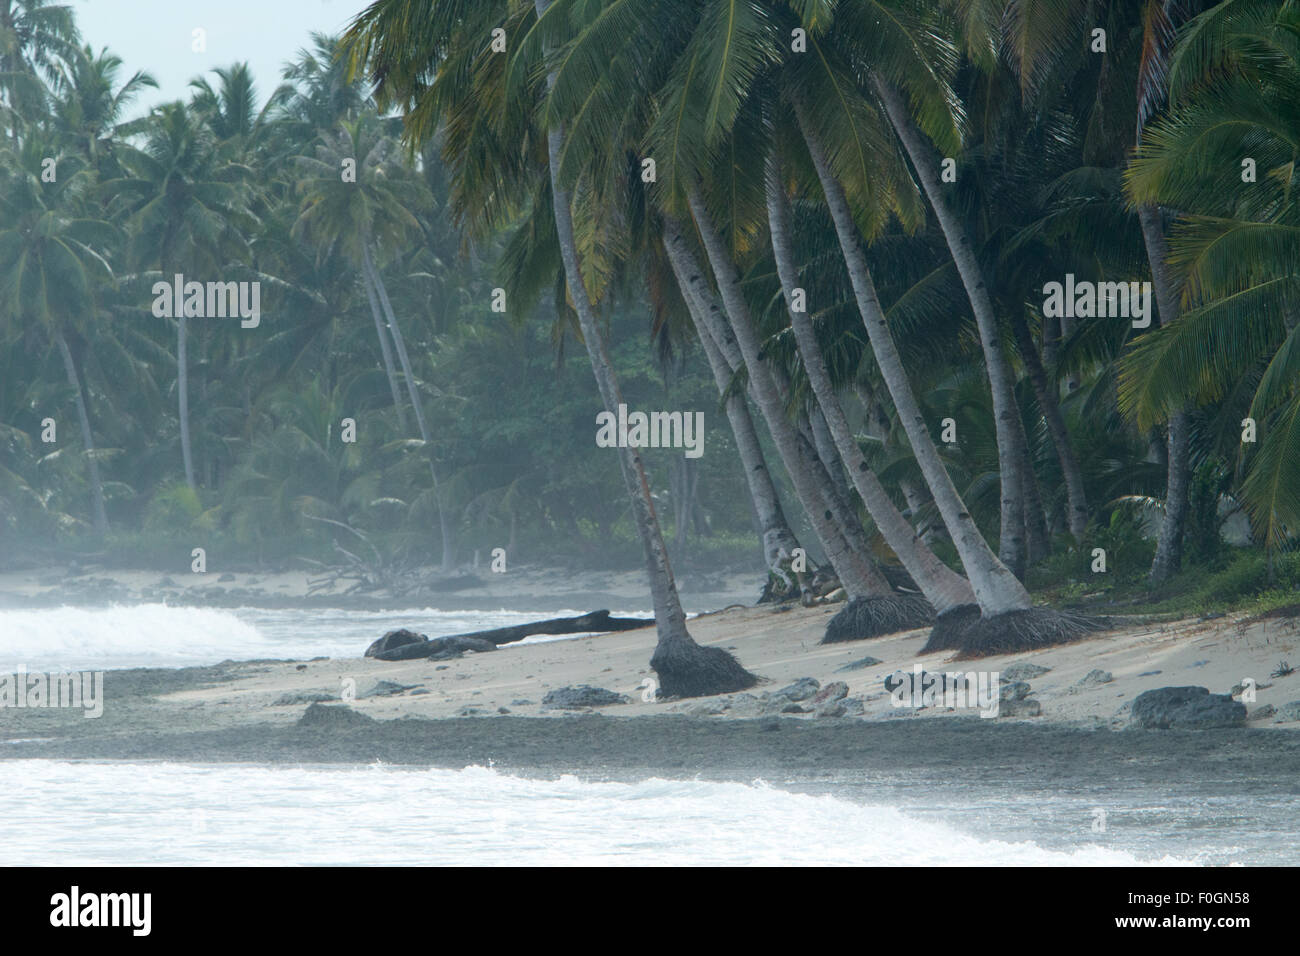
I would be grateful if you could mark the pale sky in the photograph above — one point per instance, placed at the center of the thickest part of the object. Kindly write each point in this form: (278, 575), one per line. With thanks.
(157, 36)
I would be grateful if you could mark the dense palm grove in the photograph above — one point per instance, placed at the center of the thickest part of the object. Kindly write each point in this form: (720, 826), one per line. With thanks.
(829, 224)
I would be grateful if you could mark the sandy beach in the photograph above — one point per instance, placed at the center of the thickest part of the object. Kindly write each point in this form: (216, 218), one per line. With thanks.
(491, 707)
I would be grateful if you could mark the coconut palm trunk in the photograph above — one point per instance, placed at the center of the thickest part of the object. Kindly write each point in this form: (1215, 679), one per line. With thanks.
(399, 343)
(942, 587)
(778, 540)
(386, 351)
(1169, 546)
(87, 440)
(736, 340)
(1012, 545)
(997, 590)
(1045, 392)
(183, 396)
(685, 668)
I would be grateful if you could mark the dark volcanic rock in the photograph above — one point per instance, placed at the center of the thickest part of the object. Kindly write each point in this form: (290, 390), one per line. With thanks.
(1186, 708)
(801, 689)
(393, 640)
(332, 717)
(438, 649)
(835, 690)
(582, 695)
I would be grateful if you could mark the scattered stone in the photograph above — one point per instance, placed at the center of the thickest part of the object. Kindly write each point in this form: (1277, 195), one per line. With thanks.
(801, 689)
(1290, 711)
(419, 692)
(304, 697)
(853, 706)
(1094, 678)
(708, 708)
(226, 577)
(470, 712)
(1150, 673)
(334, 717)
(832, 709)
(1016, 690)
(794, 709)
(1020, 707)
(1186, 708)
(835, 690)
(1262, 712)
(385, 688)
(1023, 670)
(301, 667)
(520, 702)
(503, 710)
(582, 695)
(858, 665)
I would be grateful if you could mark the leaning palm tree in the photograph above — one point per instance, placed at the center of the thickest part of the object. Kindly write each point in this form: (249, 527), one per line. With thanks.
(400, 41)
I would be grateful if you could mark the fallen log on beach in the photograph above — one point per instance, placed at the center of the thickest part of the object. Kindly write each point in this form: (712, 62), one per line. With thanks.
(405, 645)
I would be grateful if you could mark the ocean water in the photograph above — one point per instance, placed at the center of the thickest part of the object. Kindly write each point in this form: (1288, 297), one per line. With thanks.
(175, 814)
(160, 635)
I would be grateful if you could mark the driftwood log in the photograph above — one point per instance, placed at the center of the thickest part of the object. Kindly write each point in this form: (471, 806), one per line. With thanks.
(406, 645)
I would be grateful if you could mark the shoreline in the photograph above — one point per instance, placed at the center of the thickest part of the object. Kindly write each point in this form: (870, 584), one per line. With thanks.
(291, 710)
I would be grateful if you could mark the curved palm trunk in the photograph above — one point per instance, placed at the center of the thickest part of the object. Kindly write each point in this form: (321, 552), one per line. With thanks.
(87, 440)
(738, 344)
(1012, 547)
(778, 540)
(942, 587)
(997, 590)
(685, 669)
(183, 394)
(825, 444)
(843, 511)
(444, 525)
(1169, 546)
(1045, 392)
(385, 351)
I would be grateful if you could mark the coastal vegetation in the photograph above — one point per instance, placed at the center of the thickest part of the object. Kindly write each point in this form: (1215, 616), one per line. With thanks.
(990, 307)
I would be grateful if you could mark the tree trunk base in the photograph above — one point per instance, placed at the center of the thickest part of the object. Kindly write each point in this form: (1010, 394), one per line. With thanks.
(868, 617)
(686, 669)
(950, 628)
(1025, 630)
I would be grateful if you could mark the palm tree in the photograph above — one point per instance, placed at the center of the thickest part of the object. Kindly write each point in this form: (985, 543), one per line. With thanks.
(357, 219)
(51, 262)
(33, 35)
(188, 211)
(1236, 248)
(398, 40)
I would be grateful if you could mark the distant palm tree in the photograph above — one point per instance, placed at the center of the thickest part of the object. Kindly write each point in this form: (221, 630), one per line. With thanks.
(359, 216)
(51, 263)
(187, 208)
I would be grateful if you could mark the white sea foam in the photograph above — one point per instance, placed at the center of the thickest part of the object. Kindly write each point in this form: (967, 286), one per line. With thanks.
(236, 815)
(159, 635)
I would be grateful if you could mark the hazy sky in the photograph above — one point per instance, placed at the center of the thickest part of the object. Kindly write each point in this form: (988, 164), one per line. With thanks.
(157, 35)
